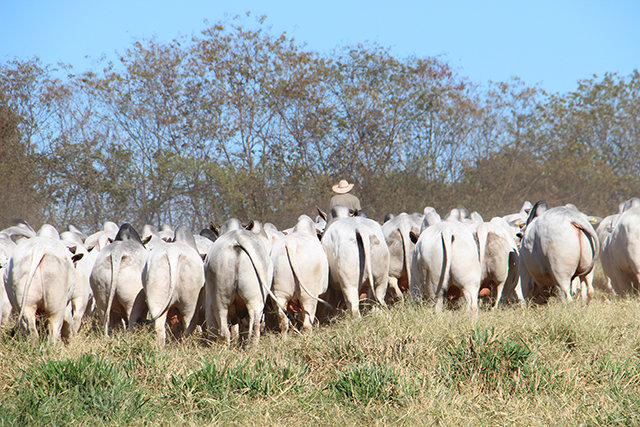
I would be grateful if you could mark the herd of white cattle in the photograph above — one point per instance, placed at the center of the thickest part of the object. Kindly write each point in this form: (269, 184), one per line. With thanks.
(222, 278)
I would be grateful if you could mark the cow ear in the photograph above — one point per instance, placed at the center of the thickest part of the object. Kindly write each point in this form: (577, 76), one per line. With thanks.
(90, 248)
(214, 229)
(519, 235)
(249, 226)
(77, 257)
(595, 221)
(414, 236)
(322, 214)
(319, 234)
(110, 240)
(146, 240)
(356, 212)
(72, 249)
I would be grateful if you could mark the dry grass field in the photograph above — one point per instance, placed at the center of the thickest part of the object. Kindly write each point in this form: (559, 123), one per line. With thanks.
(542, 365)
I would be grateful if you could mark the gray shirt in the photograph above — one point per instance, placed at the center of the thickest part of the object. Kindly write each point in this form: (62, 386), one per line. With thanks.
(348, 200)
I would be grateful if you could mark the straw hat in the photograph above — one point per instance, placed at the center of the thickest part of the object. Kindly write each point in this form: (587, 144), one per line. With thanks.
(342, 187)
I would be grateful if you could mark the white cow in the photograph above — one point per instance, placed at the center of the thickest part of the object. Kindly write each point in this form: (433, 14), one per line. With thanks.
(258, 229)
(41, 277)
(272, 232)
(605, 228)
(458, 214)
(558, 245)
(173, 277)
(205, 240)
(628, 204)
(6, 248)
(446, 255)
(102, 238)
(516, 219)
(166, 232)
(397, 233)
(238, 275)
(21, 230)
(300, 272)
(620, 253)
(358, 258)
(498, 258)
(430, 218)
(82, 296)
(116, 278)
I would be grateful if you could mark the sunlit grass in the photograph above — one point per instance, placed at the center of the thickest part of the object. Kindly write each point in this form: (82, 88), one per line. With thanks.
(552, 364)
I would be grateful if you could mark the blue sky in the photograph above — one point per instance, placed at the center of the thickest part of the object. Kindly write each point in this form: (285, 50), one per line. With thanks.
(550, 43)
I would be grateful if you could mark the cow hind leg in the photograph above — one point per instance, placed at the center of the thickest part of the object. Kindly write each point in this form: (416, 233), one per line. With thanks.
(586, 286)
(209, 316)
(138, 310)
(380, 288)
(160, 328)
(28, 323)
(68, 323)
(564, 289)
(470, 293)
(352, 300)
(79, 308)
(394, 293)
(308, 313)
(188, 318)
(498, 294)
(283, 321)
(55, 326)
(255, 314)
(222, 330)
(416, 287)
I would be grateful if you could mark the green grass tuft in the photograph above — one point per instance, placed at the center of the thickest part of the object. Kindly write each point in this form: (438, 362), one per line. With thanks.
(493, 364)
(89, 388)
(362, 384)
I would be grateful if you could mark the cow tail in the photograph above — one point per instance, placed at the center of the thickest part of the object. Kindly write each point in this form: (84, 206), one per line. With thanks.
(264, 289)
(172, 260)
(116, 258)
(445, 273)
(481, 236)
(299, 281)
(363, 240)
(404, 234)
(36, 259)
(592, 237)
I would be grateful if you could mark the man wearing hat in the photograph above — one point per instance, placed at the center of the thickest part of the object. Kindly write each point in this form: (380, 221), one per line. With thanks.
(343, 197)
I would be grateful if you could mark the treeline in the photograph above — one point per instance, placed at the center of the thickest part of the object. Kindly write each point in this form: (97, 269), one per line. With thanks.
(241, 122)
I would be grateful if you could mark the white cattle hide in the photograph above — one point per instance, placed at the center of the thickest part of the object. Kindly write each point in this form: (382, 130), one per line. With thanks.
(41, 277)
(358, 259)
(116, 279)
(238, 275)
(446, 255)
(621, 252)
(300, 271)
(173, 277)
(558, 246)
(397, 233)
